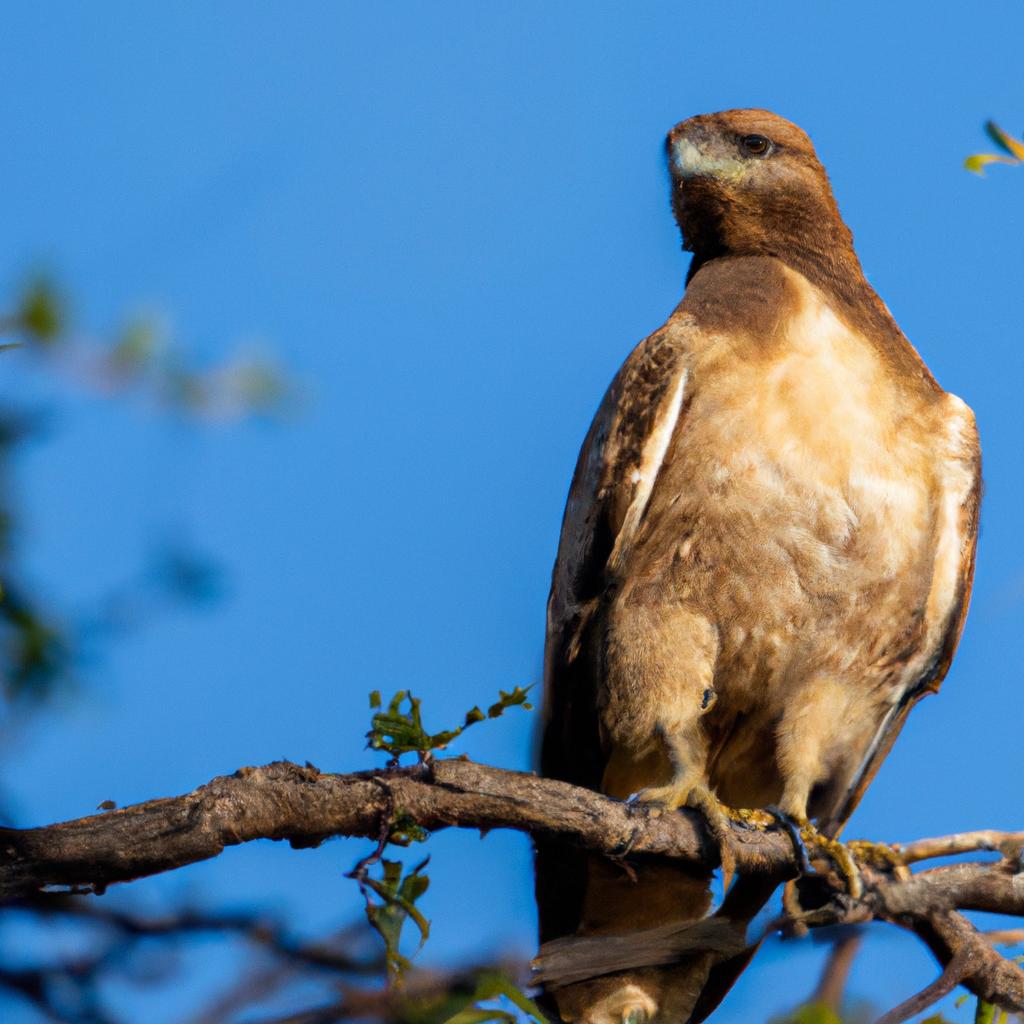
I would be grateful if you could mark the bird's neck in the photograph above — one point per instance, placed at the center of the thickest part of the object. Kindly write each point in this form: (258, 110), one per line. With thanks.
(820, 249)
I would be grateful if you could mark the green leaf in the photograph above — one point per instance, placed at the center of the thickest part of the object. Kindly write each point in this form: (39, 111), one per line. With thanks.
(398, 896)
(399, 730)
(478, 1015)
(40, 311)
(134, 348)
(810, 1013)
(516, 698)
(405, 831)
(977, 162)
(502, 985)
(984, 1013)
(1005, 142)
(494, 985)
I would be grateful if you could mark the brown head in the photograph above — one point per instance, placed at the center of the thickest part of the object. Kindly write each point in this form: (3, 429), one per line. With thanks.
(748, 182)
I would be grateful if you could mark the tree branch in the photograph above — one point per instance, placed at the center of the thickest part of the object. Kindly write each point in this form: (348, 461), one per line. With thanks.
(952, 975)
(305, 806)
(283, 801)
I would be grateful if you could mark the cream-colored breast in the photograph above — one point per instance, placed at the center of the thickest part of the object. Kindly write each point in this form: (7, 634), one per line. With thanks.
(818, 432)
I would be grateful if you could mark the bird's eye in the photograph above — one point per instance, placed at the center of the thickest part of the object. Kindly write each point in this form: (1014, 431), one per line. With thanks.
(756, 145)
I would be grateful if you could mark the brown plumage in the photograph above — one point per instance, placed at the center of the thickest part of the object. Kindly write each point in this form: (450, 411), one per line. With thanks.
(765, 560)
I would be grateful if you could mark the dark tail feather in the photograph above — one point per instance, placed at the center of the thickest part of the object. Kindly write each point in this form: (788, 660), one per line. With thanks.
(742, 904)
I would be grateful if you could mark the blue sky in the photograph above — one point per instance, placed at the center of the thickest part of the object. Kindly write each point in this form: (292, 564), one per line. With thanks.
(451, 222)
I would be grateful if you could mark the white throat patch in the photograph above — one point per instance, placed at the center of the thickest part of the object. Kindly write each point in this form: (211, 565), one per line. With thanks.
(689, 161)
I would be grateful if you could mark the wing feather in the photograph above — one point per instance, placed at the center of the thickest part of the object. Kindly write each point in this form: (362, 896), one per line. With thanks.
(615, 476)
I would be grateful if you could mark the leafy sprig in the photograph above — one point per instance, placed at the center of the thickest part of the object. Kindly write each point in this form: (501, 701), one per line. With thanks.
(398, 893)
(397, 730)
(494, 986)
(1012, 150)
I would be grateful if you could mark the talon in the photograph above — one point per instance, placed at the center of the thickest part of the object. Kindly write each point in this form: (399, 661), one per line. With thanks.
(718, 818)
(879, 855)
(841, 855)
(751, 817)
(682, 792)
(792, 827)
(653, 808)
(624, 848)
(794, 909)
(664, 798)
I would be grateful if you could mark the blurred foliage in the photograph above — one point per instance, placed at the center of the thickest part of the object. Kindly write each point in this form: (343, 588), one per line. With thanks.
(34, 642)
(811, 1013)
(143, 357)
(40, 646)
(1012, 150)
(494, 987)
(400, 732)
(398, 893)
(986, 1013)
(495, 997)
(817, 1013)
(41, 313)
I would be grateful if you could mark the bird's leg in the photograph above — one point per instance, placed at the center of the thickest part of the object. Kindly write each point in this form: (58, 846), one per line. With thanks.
(686, 747)
(794, 807)
(689, 788)
(685, 792)
(803, 737)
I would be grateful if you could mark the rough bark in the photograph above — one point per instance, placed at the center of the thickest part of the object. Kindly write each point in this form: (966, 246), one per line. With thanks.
(285, 801)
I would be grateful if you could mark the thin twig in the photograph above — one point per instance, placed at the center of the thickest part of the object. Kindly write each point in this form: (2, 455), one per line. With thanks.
(832, 984)
(954, 973)
(960, 843)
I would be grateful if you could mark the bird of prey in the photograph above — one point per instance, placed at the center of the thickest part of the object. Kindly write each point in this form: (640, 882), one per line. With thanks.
(765, 560)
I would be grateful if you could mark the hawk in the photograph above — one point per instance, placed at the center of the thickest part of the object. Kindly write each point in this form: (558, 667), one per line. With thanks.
(765, 560)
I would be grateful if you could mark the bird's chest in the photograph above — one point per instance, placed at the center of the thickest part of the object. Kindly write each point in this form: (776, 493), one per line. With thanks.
(795, 509)
(813, 455)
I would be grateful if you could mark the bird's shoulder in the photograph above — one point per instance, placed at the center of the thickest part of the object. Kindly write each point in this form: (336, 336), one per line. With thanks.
(609, 469)
(733, 310)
